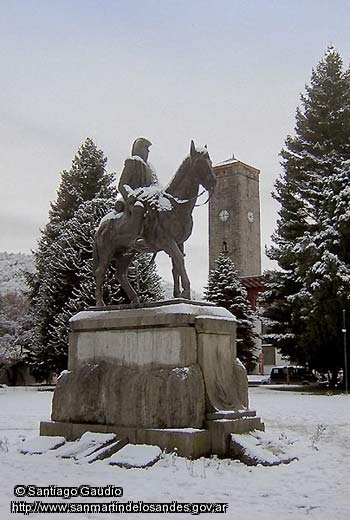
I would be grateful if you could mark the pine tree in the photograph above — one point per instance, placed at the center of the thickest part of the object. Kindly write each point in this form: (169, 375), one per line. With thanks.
(311, 240)
(225, 290)
(85, 181)
(279, 315)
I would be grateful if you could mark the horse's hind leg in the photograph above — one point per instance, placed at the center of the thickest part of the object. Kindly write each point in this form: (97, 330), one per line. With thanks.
(122, 265)
(100, 273)
(102, 257)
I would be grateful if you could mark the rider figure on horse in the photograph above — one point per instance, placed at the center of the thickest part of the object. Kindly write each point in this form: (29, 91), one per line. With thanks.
(137, 173)
(138, 183)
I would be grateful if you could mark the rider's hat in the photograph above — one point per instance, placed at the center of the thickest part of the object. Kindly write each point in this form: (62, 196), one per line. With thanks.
(139, 146)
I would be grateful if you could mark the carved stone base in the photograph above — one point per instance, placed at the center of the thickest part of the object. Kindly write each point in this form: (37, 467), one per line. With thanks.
(135, 397)
(159, 374)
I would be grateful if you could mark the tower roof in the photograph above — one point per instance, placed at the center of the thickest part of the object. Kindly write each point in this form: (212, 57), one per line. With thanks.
(233, 160)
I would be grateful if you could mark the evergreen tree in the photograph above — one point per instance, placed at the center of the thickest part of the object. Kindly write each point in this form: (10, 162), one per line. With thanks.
(85, 181)
(311, 240)
(279, 315)
(225, 290)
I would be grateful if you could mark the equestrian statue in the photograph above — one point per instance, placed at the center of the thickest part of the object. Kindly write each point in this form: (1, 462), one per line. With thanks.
(149, 219)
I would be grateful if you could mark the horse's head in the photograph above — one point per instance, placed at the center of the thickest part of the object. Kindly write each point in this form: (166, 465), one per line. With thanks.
(201, 165)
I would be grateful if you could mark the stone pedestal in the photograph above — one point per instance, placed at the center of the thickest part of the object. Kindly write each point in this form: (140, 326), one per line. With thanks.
(157, 374)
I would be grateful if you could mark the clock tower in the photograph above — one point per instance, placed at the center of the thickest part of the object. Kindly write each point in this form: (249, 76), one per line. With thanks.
(234, 217)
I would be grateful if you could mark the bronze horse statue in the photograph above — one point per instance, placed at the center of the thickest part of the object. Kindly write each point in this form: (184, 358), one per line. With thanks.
(167, 224)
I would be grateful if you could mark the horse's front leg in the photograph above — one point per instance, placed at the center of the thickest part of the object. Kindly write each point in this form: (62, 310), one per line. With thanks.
(176, 254)
(176, 275)
(176, 279)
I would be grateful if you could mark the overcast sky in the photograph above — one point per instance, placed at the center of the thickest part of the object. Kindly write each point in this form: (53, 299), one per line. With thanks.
(226, 73)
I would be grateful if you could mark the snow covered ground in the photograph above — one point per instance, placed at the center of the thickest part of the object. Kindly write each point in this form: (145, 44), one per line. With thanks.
(315, 487)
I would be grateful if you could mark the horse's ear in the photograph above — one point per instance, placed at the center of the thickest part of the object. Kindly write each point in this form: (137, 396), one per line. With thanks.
(193, 149)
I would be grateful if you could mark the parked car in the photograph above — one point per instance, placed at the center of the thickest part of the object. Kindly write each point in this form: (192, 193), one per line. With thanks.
(292, 374)
(257, 380)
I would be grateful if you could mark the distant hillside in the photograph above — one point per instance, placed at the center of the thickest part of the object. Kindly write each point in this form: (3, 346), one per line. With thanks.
(11, 267)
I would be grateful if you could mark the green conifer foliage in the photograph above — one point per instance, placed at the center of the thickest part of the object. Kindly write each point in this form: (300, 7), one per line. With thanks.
(86, 180)
(225, 290)
(311, 242)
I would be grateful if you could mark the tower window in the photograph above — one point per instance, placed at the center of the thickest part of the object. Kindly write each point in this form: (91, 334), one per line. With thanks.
(224, 247)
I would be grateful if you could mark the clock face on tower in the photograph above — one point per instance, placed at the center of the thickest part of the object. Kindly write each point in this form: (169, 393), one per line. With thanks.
(224, 215)
(250, 216)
